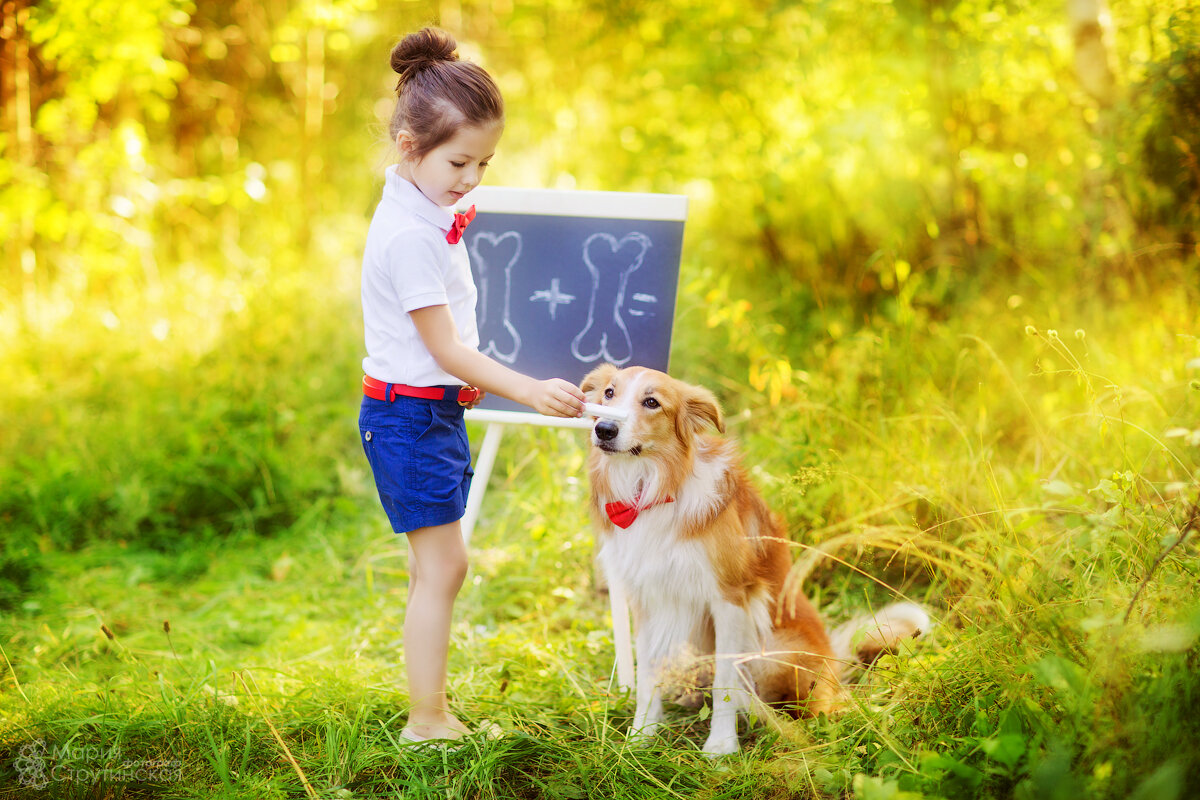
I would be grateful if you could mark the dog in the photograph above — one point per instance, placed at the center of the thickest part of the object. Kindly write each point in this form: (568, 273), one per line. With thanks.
(703, 561)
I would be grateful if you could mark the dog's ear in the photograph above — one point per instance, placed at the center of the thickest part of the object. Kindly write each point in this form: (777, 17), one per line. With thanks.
(596, 380)
(699, 409)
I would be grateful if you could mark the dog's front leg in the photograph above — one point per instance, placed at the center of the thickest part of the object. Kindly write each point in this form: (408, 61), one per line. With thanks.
(651, 646)
(661, 636)
(731, 624)
(649, 711)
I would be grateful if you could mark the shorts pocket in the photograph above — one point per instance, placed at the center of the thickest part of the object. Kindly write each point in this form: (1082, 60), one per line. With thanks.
(389, 459)
(436, 441)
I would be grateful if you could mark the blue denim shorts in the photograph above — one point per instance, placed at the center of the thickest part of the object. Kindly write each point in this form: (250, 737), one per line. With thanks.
(420, 457)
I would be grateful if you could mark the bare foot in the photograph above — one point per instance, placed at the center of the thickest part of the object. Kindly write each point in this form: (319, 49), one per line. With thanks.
(443, 726)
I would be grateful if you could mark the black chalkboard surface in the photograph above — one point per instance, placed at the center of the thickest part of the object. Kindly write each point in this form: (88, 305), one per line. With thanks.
(569, 280)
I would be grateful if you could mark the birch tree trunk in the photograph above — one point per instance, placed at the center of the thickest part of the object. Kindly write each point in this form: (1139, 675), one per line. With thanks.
(1090, 24)
(17, 97)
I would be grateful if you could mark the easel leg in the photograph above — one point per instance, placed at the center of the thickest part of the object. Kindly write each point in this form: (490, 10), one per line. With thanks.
(483, 471)
(621, 635)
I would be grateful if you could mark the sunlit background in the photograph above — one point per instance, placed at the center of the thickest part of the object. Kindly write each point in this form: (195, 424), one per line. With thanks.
(940, 266)
(844, 150)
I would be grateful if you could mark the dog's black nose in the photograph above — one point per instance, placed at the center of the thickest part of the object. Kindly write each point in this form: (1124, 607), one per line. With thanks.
(606, 430)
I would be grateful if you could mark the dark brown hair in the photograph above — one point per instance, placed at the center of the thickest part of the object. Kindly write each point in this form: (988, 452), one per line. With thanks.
(437, 92)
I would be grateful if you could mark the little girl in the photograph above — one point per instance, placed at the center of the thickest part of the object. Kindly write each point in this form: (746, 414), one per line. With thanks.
(419, 314)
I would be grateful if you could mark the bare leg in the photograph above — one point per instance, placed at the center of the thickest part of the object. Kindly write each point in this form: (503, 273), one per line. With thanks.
(437, 566)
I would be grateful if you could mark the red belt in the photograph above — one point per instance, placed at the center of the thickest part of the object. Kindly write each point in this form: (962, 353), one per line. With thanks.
(380, 390)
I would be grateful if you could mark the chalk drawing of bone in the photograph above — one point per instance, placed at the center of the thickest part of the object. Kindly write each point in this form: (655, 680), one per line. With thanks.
(610, 262)
(494, 299)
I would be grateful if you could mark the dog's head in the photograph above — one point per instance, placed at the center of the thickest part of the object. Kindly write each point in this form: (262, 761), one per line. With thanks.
(661, 411)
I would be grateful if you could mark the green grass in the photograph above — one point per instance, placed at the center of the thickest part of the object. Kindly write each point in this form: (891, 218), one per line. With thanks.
(1034, 489)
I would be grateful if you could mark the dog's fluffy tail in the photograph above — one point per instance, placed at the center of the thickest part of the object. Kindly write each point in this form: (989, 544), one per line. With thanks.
(863, 639)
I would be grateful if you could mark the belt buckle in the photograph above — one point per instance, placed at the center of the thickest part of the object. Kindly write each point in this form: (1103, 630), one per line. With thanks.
(474, 397)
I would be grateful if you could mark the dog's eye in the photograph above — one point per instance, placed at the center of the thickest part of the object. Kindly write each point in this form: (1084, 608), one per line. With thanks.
(650, 402)
(608, 393)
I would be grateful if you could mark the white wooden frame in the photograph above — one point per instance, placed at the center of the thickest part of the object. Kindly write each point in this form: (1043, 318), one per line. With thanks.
(550, 202)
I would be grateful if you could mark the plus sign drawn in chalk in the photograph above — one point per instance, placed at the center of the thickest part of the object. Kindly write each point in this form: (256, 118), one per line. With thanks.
(552, 297)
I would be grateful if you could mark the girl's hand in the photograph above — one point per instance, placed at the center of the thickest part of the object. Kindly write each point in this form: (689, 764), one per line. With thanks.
(477, 400)
(557, 398)
(554, 397)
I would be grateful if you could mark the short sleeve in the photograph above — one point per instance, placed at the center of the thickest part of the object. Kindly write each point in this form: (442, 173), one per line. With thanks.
(417, 269)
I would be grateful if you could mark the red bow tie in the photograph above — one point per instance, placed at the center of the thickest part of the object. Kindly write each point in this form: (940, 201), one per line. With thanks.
(623, 514)
(461, 221)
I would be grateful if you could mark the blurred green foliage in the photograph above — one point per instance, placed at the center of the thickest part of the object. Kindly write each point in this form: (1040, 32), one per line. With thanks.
(186, 182)
(848, 147)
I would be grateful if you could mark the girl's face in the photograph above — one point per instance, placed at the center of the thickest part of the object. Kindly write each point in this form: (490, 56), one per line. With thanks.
(454, 167)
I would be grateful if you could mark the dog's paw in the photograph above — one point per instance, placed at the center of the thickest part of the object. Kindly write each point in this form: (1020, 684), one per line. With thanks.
(721, 745)
(641, 736)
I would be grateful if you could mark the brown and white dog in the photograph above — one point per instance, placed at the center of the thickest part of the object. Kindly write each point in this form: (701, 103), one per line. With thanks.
(703, 561)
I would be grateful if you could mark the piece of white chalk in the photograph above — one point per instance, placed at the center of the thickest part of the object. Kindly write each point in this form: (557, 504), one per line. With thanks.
(605, 412)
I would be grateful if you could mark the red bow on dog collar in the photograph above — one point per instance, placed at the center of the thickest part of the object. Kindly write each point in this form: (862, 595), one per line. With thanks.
(623, 514)
(461, 221)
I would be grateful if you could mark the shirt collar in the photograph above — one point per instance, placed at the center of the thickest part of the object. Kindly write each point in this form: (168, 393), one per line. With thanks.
(409, 196)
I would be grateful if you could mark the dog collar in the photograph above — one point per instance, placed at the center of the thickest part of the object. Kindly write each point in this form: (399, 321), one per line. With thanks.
(623, 514)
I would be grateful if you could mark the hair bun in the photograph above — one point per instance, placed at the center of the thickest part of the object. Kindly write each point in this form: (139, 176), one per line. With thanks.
(421, 49)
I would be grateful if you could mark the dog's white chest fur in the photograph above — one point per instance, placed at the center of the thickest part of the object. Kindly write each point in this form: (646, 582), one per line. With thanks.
(654, 566)
(649, 558)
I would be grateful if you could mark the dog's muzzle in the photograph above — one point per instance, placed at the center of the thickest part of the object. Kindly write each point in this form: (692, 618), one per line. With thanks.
(606, 430)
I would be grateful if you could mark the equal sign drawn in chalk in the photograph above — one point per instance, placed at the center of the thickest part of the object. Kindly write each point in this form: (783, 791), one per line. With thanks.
(642, 298)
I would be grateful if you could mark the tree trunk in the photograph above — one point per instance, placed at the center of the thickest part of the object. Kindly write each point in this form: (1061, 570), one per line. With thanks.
(1090, 23)
(17, 95)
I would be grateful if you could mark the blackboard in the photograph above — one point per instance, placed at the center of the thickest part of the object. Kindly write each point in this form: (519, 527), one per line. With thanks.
(569, 280)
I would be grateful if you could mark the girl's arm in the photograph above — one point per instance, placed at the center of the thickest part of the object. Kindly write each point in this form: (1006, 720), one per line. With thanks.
(555, 397)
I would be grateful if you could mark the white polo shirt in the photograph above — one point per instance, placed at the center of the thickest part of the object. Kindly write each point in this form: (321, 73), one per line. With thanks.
(407, 265)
